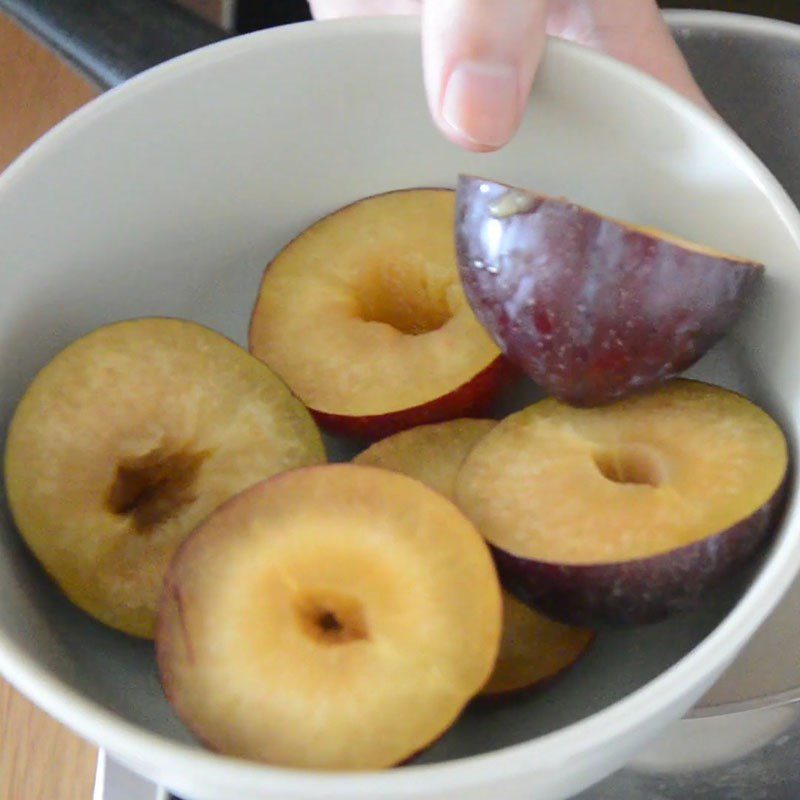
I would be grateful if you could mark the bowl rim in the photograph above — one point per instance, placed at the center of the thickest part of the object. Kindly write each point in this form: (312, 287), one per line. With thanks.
(725, 21)
(135, 745)
(731, 21)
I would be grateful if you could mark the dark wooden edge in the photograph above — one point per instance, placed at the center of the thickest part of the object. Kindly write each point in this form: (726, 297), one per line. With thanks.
(113, 40)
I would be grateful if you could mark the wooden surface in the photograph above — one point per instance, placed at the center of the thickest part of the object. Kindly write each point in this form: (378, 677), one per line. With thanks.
(36, 91)
(39, 759)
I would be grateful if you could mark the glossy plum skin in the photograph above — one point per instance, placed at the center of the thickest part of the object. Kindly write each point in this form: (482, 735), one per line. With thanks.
(589, 308)
(473, 399)
(639, 591)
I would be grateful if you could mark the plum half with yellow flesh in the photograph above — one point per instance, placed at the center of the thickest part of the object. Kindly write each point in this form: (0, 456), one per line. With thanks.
(625, 513)
(335, 617)
(432, 454)
(127, 440)
(534, 649)
(590, 308)
(363, 315)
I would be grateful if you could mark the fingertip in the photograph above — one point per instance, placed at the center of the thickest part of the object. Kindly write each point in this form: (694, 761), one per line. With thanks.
(479, 102)
(457, 138)
(480, 60)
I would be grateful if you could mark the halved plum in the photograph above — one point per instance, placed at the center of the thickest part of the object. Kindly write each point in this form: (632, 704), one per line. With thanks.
(534, 649)
(127, 440)
(432, 454)
(625, 513)
(333, 618)
(589, 307)
(363, 315)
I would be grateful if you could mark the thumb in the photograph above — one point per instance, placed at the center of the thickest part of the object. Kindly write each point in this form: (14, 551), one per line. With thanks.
(480, 59)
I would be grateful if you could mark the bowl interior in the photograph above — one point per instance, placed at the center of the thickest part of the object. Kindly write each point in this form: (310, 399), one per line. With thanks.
(169, 196)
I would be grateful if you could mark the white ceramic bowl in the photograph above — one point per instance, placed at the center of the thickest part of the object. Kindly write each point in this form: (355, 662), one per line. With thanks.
(168, 195)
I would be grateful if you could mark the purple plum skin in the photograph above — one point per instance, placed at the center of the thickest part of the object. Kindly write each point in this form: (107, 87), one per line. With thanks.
(639, 591)
(589, 308)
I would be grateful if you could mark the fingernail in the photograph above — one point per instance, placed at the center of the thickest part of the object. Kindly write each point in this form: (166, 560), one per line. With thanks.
(480, 102)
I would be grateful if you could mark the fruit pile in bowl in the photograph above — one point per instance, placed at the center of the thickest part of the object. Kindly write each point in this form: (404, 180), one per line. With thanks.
(529, 470)
(165, 199)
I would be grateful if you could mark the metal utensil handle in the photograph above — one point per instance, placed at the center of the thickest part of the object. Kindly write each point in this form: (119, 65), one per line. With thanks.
(116, 782)
(113, 40)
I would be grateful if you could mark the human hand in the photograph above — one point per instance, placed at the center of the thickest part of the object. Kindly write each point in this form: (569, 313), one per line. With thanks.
(480, 56)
